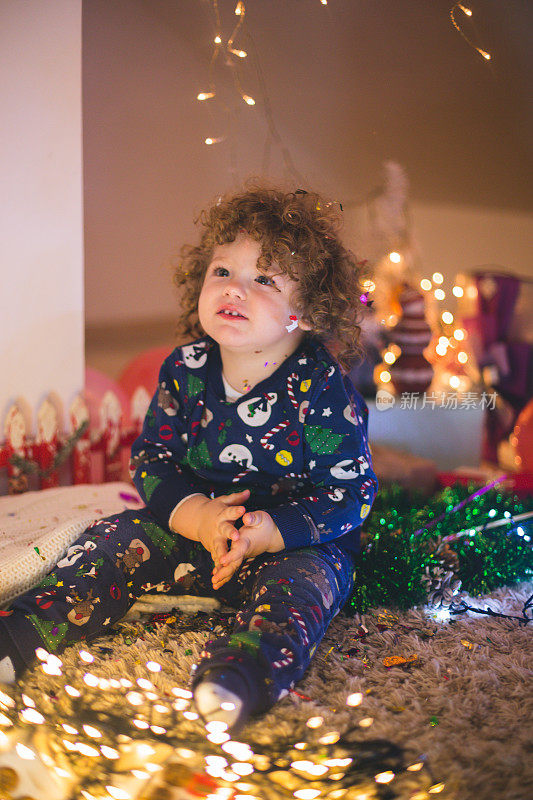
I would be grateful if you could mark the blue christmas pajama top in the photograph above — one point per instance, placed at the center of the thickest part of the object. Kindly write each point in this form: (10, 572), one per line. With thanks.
(306, 462)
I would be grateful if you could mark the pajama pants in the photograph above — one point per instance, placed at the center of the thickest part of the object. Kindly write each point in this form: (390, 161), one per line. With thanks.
(285, 600)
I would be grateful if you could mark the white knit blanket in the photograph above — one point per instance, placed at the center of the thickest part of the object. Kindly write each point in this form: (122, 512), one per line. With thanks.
(36, 528)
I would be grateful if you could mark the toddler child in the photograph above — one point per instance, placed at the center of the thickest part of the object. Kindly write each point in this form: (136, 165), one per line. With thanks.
(253, 462)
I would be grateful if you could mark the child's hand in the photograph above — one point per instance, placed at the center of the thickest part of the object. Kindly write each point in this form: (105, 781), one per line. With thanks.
(215, 524)
(259, 534)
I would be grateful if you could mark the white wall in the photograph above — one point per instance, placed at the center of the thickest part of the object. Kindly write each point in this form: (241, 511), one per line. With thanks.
(41, 225)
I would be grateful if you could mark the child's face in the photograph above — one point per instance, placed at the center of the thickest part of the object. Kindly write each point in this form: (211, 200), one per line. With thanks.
(264, 299)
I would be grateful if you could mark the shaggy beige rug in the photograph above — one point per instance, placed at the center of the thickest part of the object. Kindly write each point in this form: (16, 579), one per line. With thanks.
(462, 700)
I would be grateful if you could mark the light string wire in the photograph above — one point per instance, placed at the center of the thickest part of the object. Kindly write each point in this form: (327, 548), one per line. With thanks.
(463, 607)
(272, 131)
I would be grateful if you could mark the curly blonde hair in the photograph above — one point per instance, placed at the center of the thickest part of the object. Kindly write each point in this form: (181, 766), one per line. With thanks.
(300, 231)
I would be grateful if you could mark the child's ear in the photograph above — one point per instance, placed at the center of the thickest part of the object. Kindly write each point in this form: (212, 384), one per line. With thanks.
(305, 326)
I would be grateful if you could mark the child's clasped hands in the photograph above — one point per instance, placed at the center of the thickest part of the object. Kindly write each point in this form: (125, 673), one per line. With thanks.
(256, 536)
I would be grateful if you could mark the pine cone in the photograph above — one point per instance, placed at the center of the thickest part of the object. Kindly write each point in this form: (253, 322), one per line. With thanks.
(442, 586)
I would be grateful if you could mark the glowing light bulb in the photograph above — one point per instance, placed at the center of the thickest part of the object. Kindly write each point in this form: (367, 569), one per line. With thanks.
(354, 699)
(29, 702)
(25, 752)
(314, 722)
(441, 349)
(239, 53)
(459, 334)
(153, 666)
(217, 40)
(239, 9)
(216, 761)
(31, 715)
(249, 100)
(85, 656)
(242, 769)
(454, 382)
(447, 317)
(118, 794)
(109, 752)
(395, 257)
(218, 738)
(94, 733)
(462, 357)
(157, 729)
(385, 376)
(384, 777)
(437, 277)
(366, 722)
(425, 284)
(69, 728)
(369, 286)
(181, 692)
(457, 291)
(389, 358)
(205, 95)
(439, 294)
(87, 750)
(471, 292)
(211, 140)
(465, 10)
(72, 691)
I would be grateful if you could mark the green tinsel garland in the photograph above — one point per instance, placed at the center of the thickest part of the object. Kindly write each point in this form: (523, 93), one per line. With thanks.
(392, 560)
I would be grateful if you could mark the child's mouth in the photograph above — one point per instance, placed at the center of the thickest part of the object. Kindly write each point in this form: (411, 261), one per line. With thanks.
(226, 315)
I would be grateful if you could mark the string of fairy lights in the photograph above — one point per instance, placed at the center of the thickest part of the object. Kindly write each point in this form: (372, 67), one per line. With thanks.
(118, 738)
(235, 56)
(468, 13)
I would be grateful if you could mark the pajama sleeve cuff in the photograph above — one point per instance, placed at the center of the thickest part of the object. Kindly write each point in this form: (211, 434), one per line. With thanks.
(194, 494)
(296, 527)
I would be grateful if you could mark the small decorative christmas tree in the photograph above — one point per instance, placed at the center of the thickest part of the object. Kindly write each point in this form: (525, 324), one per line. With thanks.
(411, 372)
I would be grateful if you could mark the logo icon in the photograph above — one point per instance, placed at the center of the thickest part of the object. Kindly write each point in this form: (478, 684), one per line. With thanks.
(384, 400)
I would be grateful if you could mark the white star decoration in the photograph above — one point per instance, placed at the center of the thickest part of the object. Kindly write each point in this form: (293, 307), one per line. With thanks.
(327, 412)
(249, 438)
(312, 464)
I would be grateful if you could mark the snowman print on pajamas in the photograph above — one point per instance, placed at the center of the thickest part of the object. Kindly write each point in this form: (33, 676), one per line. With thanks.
(75, 552)
(195, 355)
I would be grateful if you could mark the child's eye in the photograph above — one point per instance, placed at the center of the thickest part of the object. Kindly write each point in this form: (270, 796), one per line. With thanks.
(269, 281)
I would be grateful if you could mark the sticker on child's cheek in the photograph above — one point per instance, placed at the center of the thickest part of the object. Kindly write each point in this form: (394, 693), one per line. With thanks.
(293, 324)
